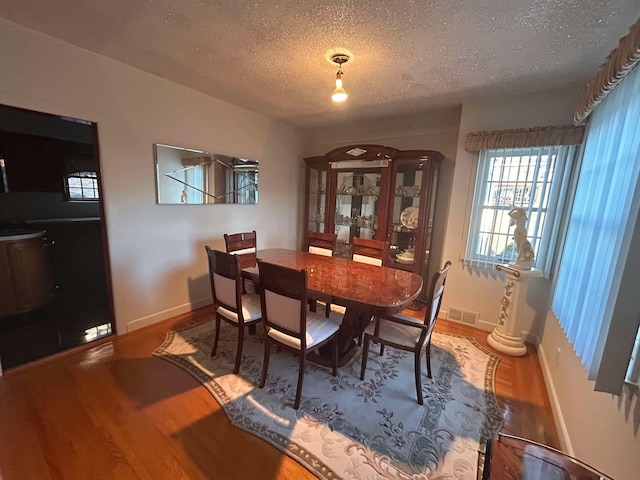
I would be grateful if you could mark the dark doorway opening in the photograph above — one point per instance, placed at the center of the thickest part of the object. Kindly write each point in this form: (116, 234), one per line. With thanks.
(55, 291)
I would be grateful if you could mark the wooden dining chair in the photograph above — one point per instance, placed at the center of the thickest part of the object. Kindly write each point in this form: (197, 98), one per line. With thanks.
(368, 251)
(322, 243)
(408, 333)
(243, 245)
(524, 458)
(230, 304)
(288, 322)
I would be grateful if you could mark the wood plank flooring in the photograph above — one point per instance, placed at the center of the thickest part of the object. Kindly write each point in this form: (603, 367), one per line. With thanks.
(115, 412)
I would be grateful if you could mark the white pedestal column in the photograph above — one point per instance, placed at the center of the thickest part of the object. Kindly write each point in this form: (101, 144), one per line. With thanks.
(507, 336)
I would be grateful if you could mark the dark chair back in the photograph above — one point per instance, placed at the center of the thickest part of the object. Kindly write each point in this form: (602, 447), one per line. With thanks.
(322, 243)
(243, 245)
(284, 299)
(226, 281)
(368, 251)
(435, 300)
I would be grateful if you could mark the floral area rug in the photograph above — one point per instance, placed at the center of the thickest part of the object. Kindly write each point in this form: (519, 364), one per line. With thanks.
(347, 428)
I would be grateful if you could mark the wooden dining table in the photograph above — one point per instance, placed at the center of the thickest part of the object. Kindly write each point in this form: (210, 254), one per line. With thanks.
(363, 289)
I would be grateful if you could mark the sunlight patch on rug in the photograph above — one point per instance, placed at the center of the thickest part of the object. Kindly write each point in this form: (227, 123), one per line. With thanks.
(347, 428)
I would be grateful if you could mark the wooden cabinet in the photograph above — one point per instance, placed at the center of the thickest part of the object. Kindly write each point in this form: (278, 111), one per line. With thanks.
(25, 273)
(377, 192)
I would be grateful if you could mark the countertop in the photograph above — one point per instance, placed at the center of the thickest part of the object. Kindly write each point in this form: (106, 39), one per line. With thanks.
(63, 220)
(19, 235)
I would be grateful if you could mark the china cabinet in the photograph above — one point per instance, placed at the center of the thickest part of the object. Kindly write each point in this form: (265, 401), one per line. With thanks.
(375, 192)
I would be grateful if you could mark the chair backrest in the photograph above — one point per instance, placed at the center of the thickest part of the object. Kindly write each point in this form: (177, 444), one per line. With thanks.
(283, 294)
(243, 245)
(322, 243)
(368, 251)
(226, 280)
(435, 299)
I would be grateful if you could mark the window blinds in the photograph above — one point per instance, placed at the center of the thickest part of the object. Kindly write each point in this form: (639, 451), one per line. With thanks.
(601, 226)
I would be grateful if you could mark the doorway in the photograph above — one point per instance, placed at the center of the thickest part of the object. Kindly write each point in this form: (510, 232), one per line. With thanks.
(55, 291)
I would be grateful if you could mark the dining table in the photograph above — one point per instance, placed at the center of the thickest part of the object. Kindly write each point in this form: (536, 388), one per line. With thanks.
(364, 290)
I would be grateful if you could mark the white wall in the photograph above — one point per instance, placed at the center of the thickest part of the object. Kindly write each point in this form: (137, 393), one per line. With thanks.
(600, 429)
(158, 263)
(479, 290)
(583, 414)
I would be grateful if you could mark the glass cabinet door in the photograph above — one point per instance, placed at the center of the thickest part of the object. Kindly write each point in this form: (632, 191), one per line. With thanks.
(406, 216)
(317, 200)
(381, 193)
(357, 201)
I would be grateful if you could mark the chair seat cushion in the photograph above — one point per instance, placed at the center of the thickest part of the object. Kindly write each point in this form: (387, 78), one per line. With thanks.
(251, 309)
(404, 335)
(319, 328)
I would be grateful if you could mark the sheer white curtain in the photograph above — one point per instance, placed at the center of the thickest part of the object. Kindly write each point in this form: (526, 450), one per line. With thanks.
(601, 227)
(195, 176)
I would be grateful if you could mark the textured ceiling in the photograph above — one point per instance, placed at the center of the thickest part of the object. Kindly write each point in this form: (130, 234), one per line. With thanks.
(407, 56)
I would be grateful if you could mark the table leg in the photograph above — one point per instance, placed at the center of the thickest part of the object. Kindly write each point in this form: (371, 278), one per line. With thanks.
(353, 324)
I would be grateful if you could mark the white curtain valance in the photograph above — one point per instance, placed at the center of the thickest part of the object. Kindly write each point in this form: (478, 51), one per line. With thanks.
(195, 161)
(524, 138)
(620, 61)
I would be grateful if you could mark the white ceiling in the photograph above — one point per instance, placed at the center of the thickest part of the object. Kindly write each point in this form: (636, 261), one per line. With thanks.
(408, 56)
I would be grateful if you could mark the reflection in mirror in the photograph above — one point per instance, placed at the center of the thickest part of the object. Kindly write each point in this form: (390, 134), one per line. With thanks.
(188, 176)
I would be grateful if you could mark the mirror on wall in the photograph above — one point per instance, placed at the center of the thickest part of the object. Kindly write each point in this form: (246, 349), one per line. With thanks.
(190, 176)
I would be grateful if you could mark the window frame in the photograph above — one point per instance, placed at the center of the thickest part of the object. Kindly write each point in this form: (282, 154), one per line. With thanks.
(82, 175)
(546, 213)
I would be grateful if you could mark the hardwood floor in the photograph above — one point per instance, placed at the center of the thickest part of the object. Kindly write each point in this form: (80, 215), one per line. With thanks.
(520, 388)
(79, 304)
(115, 412)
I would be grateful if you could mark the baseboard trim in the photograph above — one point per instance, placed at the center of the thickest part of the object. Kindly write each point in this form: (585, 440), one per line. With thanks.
(531, 338)
(484, 325)
(166, 314)
(563, 433)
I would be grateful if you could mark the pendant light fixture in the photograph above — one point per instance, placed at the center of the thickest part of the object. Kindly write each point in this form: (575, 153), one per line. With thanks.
(339, 95)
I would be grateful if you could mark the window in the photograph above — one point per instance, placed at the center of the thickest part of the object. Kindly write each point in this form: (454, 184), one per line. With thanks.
(82, 186)
(195, 187)
(534, 178)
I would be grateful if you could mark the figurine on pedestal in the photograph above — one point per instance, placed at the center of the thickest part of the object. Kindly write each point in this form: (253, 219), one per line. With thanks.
(507, 336)
(526, 256)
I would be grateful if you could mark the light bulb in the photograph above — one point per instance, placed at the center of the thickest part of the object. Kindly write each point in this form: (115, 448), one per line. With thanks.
(339, 95)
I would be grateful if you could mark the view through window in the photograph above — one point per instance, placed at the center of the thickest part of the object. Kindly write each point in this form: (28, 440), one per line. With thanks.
(82, 186)
(509, 178)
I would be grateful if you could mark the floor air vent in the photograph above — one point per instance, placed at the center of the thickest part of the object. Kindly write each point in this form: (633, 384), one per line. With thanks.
(464, 316)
